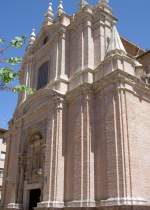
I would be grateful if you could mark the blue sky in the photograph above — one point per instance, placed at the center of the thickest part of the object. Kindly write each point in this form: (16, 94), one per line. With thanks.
(19, 16)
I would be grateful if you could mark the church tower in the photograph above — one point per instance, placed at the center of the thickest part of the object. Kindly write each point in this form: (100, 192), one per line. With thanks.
(82, 140)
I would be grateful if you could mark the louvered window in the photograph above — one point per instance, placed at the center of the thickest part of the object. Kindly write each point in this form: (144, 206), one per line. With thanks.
(43, 76)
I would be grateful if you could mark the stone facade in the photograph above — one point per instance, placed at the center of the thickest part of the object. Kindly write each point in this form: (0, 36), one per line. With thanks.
(82, 141)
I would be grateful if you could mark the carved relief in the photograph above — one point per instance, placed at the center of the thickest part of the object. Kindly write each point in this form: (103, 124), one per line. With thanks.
(34, 158)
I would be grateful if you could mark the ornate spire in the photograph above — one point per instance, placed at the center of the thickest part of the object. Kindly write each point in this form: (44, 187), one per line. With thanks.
(60, 10)
(115, 44)
(104, 2)
(32, 38)
(49, 15)
(83, 3)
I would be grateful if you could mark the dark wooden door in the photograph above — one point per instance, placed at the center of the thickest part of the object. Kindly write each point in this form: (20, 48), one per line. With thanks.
(34, 198)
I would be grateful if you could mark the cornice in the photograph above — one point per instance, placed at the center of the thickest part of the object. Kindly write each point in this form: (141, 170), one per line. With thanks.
(45, 92)
(80, 91)
(136, 86)
(112, 78)
(80, 72)
(116, 54)
(98, 11)
(129, 83)
(81, 17)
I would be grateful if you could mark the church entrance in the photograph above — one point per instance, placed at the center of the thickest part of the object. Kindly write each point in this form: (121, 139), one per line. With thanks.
(34, 198)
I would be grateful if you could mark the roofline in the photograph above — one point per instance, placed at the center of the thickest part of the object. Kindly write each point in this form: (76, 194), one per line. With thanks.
(132, 43)
(3, 130)
(145, 53)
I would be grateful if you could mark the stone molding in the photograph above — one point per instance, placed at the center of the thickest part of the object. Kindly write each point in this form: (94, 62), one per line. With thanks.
(123, 201)
(79, 91)
(112, 202)
(38, 95)
(92, 203)
(113, 77)
(14, 206)
(48, 204)
(122, 77)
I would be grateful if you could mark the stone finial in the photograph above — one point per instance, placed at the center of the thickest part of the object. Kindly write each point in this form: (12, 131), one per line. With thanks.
(32, 38)
(115, 43)
(83, 3)
(60, 10)
(49, 15)
(103, 2)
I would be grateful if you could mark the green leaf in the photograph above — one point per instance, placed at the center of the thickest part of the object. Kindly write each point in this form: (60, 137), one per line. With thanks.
(23, 88)
(14, 60)
(18, 41)
(7, 75)
(2, 40)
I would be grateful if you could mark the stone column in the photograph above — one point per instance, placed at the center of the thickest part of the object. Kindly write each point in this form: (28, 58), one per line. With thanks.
(53, 194)
(80, 151)
(98, 34)
(21, 80)
(87, 146)
(28, 76)
(102, 34)
(62, 55)
(15, 202)
(88, 44)
(25, 79)
(102, 40)
(55, 59)
(80, 48)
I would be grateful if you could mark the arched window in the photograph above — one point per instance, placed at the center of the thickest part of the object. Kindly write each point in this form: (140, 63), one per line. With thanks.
(43, 76)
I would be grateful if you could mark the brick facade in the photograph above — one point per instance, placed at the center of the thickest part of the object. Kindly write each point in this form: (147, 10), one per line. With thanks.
(83, 140)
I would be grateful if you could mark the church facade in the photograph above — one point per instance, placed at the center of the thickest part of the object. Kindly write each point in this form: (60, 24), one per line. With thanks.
(82, 139)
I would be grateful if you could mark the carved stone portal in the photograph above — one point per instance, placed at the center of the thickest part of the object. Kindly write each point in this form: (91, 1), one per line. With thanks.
(34, 158)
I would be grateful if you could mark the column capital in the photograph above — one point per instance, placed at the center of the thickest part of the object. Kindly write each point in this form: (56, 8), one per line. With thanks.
(62, 32)
(58, 102)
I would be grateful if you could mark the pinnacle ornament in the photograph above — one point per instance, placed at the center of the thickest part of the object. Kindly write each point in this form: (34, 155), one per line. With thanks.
(49, 15)
(60, 10)
(83, 3)
(32, 37)
(104, 2)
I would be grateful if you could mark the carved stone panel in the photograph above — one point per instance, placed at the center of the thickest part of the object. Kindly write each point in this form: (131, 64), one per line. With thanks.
(34, 158)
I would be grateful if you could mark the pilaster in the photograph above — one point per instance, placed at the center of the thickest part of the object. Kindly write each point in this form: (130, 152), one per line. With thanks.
(60, 82)
(10, 198)
(16, 193)
(80, 188)
(62, 55)
(87, 149)
(53, 194)
(102, 25)
(88, 45)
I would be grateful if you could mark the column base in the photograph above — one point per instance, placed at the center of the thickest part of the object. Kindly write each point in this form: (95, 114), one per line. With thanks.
(14, 206)
(109, 204)
(129, 207)
(50, 204)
